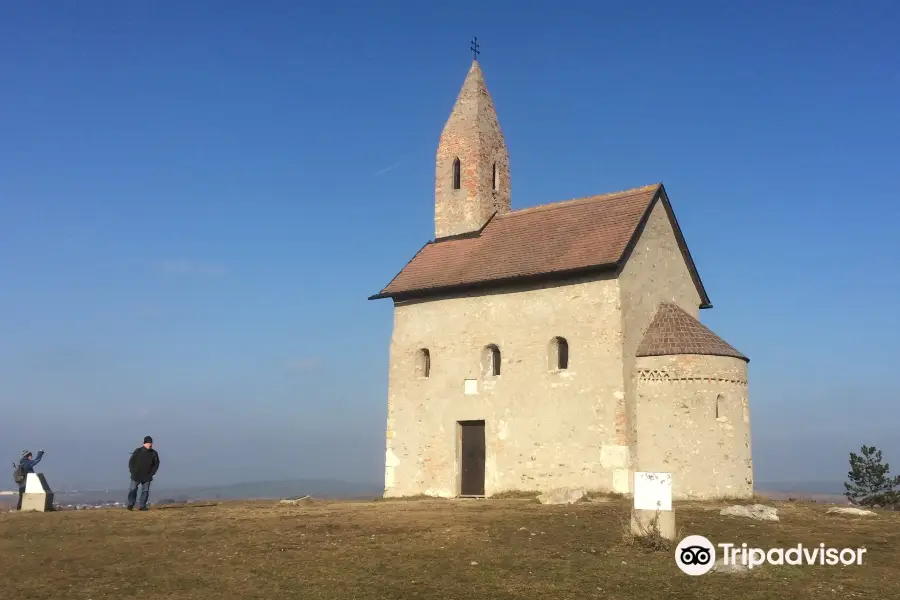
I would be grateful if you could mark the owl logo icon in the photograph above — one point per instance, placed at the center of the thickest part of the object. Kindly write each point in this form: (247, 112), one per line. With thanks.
(695, 555)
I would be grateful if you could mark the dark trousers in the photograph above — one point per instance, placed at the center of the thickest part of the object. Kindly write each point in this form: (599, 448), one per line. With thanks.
(21, 495)
(132, 493)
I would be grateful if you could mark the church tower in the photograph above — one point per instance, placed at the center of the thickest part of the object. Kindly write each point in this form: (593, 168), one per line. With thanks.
(472, 171)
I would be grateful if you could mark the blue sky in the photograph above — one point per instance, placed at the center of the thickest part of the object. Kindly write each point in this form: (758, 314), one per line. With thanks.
(197, 198)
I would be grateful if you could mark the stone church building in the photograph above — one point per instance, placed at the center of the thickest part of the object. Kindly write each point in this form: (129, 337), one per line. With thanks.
(557, 345)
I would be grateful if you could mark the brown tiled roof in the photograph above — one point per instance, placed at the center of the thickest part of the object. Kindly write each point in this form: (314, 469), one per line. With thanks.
(551, 240)
(674, 331)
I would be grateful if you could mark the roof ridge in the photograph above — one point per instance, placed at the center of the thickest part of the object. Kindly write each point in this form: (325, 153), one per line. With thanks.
(585, 236)
(579, 200)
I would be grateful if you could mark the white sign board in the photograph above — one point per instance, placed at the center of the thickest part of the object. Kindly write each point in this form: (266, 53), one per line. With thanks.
(652, 491)
(471, 387)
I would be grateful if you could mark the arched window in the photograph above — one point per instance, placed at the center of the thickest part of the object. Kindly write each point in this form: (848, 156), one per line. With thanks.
(490, 360)
(456, 176)
(423, 363)
(558, 353)
(494, 182)
(719, 400)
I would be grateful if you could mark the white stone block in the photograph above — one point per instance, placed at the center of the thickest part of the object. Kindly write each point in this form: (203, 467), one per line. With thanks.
(391, 459)
(38, 496)
(35, 483)
(471, 387)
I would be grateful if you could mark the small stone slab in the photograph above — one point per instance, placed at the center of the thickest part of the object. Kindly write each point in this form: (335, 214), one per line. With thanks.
(292, 501)
(757, 512)
(734, 568)
(848, 510)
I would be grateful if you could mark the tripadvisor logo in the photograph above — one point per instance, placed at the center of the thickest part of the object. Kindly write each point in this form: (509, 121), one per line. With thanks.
(696, 555)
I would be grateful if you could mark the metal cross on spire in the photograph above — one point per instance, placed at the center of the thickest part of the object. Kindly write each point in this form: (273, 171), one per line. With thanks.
(474, 48)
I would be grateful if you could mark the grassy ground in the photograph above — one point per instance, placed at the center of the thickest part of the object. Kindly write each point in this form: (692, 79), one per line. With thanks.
(466, 549)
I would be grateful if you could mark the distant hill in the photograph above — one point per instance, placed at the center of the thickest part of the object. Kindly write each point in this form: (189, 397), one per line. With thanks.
(318, 488)
(819, 491)
(806, 487)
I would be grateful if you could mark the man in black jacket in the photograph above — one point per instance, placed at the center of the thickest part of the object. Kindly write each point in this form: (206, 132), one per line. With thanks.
(143, 464)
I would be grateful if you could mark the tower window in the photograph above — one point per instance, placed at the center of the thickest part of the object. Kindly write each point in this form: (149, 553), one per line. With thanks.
(490, 360)
(719, 406)
(423, 363)
(456, 176)
(559, 353)
(494, 181)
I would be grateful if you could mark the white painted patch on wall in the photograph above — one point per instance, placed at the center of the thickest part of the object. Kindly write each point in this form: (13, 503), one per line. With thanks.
(502, 430)
(390, 459)
(621, 481)
(614, 457)
(470, 387)
(390, 462)
(619, 395)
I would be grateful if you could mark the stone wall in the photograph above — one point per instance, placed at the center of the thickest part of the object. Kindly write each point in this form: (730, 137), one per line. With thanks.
(694, 422)
(655, 272)
(543, 428)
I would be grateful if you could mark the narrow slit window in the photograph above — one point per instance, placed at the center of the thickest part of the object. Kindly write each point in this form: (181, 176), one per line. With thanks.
(423, 363)
(719, 407)
(494, 181)
(559, 354)
(456, 174)
(491, 360)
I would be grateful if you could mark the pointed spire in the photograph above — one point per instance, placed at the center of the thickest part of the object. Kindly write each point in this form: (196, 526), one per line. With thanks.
(472, 171)
(474, 92)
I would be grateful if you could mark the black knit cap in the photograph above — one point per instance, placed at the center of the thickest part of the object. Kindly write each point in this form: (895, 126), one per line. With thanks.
(148, 440)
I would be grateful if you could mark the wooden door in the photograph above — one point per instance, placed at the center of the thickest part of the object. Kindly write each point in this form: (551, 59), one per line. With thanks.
(471, 458)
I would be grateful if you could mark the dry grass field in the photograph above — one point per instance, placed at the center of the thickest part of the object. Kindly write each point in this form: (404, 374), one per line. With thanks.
(511, 548)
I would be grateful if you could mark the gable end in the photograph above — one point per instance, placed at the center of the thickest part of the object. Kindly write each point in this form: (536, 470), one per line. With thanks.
(661, 196)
